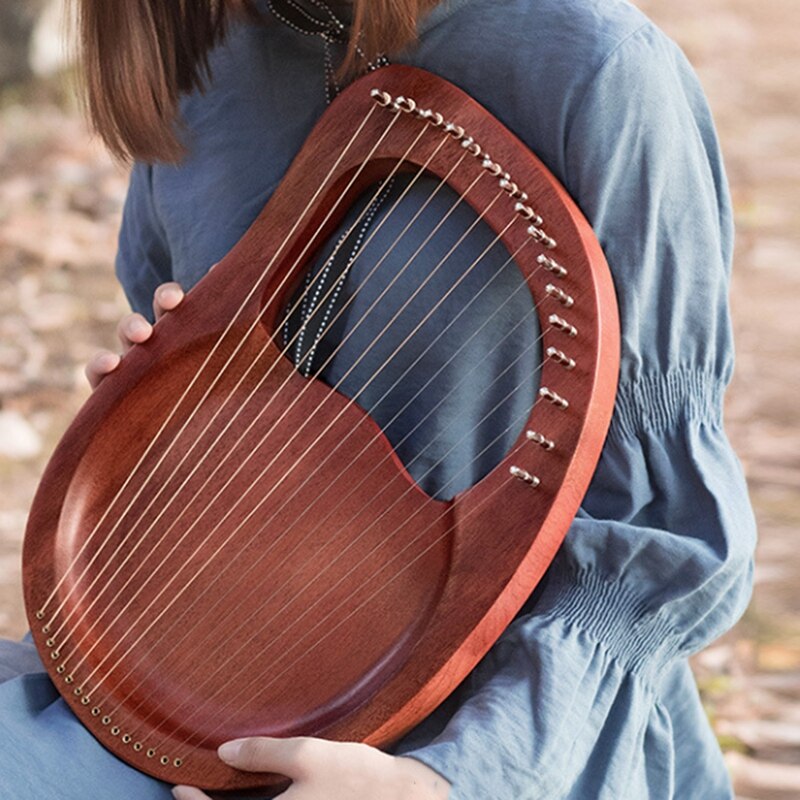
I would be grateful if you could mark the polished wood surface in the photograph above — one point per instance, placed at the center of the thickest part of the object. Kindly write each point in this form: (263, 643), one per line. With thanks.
(346, 605)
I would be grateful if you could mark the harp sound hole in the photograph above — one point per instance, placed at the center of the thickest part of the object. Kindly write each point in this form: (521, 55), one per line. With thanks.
(416, 311)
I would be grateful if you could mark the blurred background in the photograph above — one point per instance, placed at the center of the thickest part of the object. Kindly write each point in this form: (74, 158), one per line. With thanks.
(60, 203)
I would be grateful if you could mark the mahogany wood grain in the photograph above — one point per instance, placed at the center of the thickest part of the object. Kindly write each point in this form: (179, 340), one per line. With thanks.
(316, 621)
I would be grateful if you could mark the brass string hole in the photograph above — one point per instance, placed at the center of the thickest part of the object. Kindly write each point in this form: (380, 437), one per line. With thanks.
(51, 642)
(106, 720)
(69, 679)
(561, 357)
(552, 397)
(525, 476)
(380, 97)
(61, 669)
(538, 235)
(178, 762)
(553, 266)
(55, 655)
(165, 760)
(77, 691)
(46, 629)
(151, 753)
(126, 738)
(565, 299)
(542, 441)
(96, 711)
(138, 747)
(563, 325)
(85, 701)
(115, 731)
(40, 615)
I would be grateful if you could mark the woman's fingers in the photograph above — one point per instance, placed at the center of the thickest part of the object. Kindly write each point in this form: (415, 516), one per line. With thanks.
(188, 793)
(167, 297)
(133, 329)
(101, 365)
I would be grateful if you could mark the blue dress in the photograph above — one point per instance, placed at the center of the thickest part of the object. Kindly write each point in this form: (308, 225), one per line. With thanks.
(588, 695)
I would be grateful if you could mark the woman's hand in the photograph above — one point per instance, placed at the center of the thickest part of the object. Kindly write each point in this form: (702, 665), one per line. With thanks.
(321, 770)
(133, 329)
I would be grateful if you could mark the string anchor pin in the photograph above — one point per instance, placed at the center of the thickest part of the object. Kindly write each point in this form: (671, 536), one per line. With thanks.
(542, 441)
(559, 294)
(404, 104)
(432, 117)
(540, 236)
(492, 167)
(525, 476)
(470, 145)
(561, 357)
(380, 97)
(551, 265)
(563, 325)
(456, 131)
(554, 398)
(526, 212)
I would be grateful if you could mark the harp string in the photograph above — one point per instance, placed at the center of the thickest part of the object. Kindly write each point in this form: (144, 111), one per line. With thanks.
(230, 479)
(320, 523)
(512, 392)
(293, 437)
(320, 466)
(210, 422)
(232, 681)
(382, 587)
(205, 363)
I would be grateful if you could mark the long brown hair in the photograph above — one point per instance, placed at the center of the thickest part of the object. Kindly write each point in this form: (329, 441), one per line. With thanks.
(138, 57)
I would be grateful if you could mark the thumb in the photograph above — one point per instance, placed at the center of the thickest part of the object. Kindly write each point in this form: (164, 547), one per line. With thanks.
(292, 757)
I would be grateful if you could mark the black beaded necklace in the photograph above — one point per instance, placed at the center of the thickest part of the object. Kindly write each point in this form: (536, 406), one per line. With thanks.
(317, 18)
(310, 328)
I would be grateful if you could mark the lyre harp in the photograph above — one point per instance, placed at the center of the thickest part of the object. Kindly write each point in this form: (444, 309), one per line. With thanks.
(426, 610)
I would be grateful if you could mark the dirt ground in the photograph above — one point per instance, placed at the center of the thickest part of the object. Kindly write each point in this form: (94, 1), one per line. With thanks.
(60, 201)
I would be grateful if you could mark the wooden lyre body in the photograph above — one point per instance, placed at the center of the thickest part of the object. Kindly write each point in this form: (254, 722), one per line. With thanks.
(171, 635)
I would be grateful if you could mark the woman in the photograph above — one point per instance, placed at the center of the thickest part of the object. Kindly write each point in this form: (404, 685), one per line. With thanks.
(588, 694)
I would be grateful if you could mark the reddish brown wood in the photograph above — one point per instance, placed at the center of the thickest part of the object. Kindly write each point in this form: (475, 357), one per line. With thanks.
(399, 640)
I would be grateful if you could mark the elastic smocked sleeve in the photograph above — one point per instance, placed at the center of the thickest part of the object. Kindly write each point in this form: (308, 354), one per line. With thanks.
(588, 694)
(143, 258)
